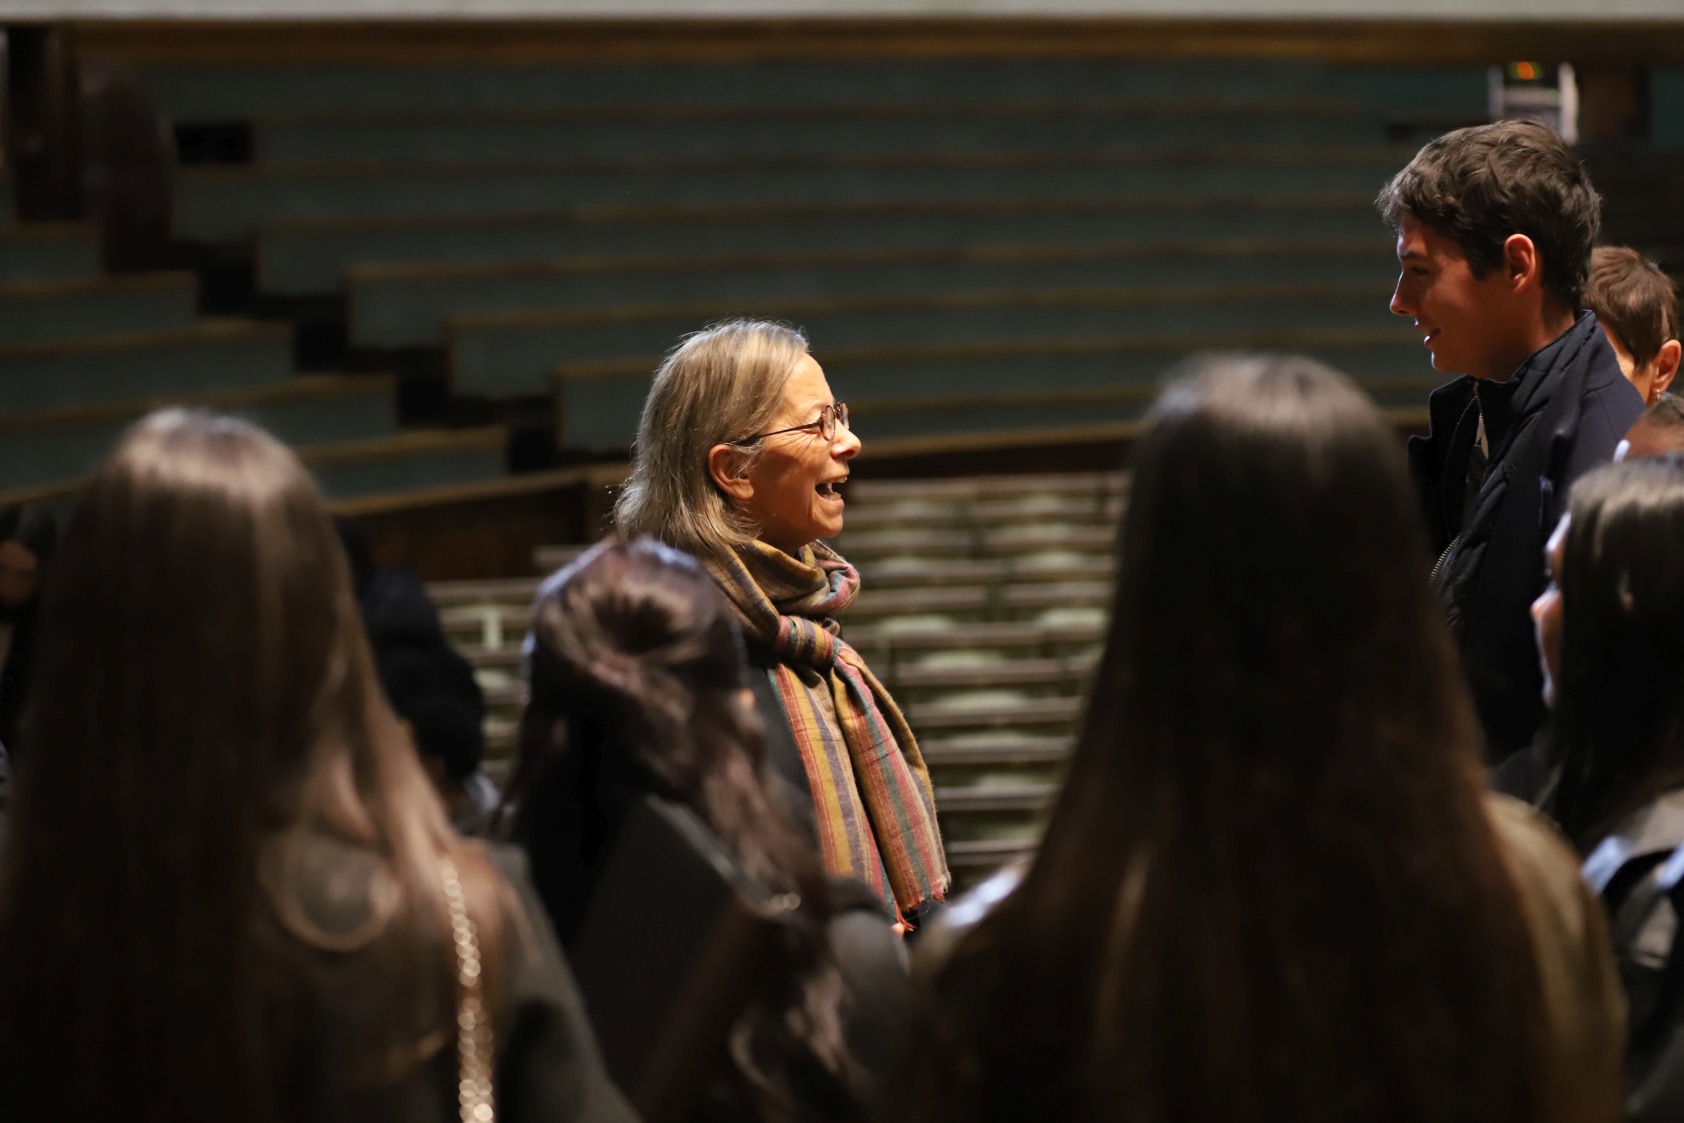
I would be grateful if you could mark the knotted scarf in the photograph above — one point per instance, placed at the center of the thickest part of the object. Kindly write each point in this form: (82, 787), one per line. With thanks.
(875, 808)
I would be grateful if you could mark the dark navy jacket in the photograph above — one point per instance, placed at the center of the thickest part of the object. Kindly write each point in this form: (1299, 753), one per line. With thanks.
(1560, 414)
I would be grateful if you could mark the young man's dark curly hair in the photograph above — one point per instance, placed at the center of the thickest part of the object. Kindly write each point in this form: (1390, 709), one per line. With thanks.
(1480, 185)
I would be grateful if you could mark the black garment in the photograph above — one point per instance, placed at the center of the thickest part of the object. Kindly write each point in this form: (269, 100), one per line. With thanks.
(15, 675)
(1531, 775)
(568, 821)
(1643, 925)
(1561, 413)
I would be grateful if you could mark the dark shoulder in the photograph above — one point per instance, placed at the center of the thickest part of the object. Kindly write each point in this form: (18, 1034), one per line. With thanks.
(876, 978)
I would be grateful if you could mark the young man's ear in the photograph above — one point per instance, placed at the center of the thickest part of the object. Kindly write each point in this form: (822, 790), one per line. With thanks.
(726, 464)
(1666, 366)
(1521, 262)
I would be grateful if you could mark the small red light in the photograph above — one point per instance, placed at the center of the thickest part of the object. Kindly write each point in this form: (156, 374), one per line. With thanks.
(1525, 71)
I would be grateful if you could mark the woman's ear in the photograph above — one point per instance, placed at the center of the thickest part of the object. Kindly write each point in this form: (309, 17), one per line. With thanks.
(726, 466)
(1666, 367)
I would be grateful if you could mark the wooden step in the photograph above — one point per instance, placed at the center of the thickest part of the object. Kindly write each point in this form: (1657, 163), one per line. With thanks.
(516, 590)
(890, 641)
(883, 514)
(641, 131)
(903, 573)
(210, 355)
(49, 251)
(220, 204)
(411, 461)
(989, 542)
(1028, 713)
(959, 489)
(38, 312)
(310, 410)
(587, 74)
(510, 353)
(315, 255)
(506, 657)
(393, 307)
(993, 751)
(1022, 799)
(600, 414)
(977, 602)
(975, 859)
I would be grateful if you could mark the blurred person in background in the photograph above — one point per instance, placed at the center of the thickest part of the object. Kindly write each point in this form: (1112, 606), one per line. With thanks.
(228, 891)
(429, 683)
(1611, 636)
(27, 538)
(1636, 305)
(1273, 886)
(1659, 431)
(638, 686)
(740, 453)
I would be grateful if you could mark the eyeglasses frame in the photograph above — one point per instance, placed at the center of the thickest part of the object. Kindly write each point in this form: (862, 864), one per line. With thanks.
(837, 412)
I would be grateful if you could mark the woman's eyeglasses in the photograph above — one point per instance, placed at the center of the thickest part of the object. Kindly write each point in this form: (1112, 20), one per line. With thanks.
(829, 418)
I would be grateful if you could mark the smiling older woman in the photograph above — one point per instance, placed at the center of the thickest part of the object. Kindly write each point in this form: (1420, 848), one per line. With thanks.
(738, 455)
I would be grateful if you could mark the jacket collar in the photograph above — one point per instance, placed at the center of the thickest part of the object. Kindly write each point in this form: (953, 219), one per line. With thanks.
(1535, 382)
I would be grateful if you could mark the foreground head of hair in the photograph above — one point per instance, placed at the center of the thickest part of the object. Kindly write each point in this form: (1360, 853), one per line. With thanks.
(718, 386)
(1481, 184)
(1269, 889)
(206, 708)
(1620, 697)
(637, 684)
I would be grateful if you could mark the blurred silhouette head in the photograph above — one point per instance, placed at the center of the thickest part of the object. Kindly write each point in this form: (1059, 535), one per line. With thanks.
(637, 684)
(1637, 306)
(206, 707)
(27, 538)
(1620, 687)
(1278, 760)
(1659, 431)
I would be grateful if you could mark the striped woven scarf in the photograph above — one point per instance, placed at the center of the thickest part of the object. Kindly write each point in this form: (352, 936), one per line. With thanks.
(876, 810)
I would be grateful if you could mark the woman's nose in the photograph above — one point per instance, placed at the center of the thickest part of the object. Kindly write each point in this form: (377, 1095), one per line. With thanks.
(846, 445)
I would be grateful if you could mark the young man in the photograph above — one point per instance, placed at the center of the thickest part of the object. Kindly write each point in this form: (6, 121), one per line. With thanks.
(1637, 306)
(1494, 232)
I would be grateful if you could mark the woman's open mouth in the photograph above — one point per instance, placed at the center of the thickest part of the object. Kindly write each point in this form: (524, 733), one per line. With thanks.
(827, 490)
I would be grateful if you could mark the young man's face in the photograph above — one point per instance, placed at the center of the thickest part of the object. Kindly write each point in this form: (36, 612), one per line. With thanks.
(1467, 323)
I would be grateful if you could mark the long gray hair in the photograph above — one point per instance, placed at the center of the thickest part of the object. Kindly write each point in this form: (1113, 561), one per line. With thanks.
(721, 385)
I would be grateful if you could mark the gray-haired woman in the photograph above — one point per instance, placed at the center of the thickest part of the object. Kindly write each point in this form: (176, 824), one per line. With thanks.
(738, 455)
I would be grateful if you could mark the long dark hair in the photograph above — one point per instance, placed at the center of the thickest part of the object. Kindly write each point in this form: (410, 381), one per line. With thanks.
(1620, 696)
(1269, 889)
(638, 684)
(204, 715)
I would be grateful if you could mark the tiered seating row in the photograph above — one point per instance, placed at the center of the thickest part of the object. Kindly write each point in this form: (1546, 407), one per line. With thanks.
(221, 204)
(297, 256)
(218, 93)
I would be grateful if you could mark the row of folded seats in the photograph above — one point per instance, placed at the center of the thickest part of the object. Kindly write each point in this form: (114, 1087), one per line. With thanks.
(971, 244)
(982, 608)
(83, 353)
